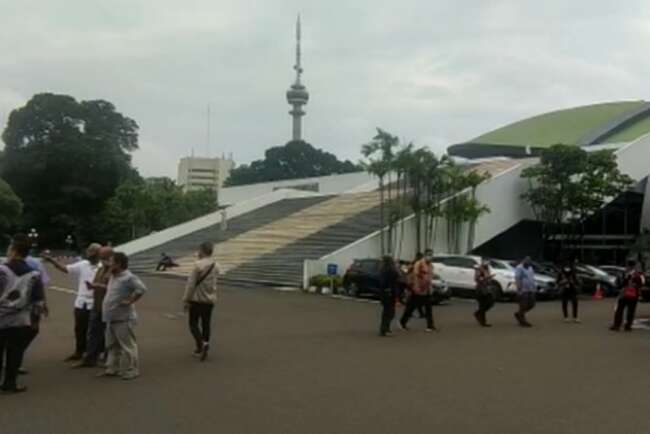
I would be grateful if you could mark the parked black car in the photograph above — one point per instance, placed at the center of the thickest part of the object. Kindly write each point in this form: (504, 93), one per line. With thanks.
(362, 278)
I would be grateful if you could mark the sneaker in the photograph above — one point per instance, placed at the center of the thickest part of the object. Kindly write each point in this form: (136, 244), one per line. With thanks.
(84, 364)
(107, 374)
(204, 353)
(73, 358)
(130, 376)
(22, 371)
(485, 324)
(402, 326)
(12, 389)
(567, 320)
(197, 353)
(429, 330)
(577, 320)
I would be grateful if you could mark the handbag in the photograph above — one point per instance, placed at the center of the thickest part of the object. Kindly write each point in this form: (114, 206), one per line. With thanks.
(205, 275)
(630, 292)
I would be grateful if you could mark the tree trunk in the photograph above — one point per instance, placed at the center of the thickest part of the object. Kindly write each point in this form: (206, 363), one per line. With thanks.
(381, 215)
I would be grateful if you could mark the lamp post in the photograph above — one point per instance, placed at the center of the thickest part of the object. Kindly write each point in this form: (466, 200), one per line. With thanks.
(69, 241)
(33, 238)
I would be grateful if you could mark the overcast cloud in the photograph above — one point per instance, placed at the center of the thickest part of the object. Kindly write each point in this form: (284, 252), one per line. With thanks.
(436, 73)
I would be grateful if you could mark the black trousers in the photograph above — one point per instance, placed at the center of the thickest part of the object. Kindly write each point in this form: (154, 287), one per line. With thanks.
(570, 296)
(200, 313)
(387, 311)
(413, 303)
(485, 303)
(81, 321)
(96, 337)
(30, 335)
(622, 304)
(13, 342)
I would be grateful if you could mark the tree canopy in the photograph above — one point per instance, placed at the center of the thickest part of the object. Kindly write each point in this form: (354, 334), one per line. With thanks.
(296, 159)
(11, 207)
(65, 158)
(140, 207)
(570, 184)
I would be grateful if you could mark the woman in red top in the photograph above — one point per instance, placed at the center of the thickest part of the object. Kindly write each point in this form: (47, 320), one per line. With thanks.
(628, 297)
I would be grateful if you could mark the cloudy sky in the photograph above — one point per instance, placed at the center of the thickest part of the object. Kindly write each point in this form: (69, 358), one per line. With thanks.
(434, 72)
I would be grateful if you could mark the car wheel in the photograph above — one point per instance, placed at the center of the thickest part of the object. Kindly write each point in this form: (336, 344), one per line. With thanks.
(352, 290)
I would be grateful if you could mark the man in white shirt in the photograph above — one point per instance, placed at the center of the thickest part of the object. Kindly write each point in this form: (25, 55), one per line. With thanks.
(82, 271)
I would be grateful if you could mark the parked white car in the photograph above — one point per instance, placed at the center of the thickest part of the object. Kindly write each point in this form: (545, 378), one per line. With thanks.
(458, 271)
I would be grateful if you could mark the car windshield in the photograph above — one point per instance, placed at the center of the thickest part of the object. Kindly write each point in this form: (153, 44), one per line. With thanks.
(501, 265)
(596, 271)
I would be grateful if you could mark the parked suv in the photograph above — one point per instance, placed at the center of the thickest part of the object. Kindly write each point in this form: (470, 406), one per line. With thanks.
(458, 271)
(362, 278)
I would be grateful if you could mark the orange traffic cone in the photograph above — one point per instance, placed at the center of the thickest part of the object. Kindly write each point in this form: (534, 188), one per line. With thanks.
(598, 295)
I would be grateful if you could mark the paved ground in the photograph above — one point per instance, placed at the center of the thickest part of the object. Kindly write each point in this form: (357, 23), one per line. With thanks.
(295, 363)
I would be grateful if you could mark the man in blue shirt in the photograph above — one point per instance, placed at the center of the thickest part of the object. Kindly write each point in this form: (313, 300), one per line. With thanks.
(526, 290)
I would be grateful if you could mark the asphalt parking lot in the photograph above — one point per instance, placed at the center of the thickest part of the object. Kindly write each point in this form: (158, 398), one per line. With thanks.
(289, 362)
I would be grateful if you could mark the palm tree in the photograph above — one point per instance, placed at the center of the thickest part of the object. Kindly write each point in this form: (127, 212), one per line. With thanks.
(383, 144)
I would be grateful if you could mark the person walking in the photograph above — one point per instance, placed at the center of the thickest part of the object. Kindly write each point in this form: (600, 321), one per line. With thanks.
(484, 294)
(526, 290)
(389, 279)
(421, 292)
(199, 298)
(123, 291)
(81, 271)
(36, 265)
(22, 301)
(96, 326)
(628, 297)
(567, 280)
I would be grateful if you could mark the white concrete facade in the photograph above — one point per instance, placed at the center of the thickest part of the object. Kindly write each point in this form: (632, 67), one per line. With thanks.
(195, 173)
(357, 182)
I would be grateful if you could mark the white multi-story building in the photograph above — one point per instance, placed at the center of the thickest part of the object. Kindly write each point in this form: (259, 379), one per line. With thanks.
(195, 173)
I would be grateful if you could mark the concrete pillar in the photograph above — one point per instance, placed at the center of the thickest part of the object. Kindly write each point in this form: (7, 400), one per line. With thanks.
(645, 210)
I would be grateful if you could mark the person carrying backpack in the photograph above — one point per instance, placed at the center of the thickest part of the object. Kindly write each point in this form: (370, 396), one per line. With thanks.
(628, 297)
(200, 296)
(22, 301)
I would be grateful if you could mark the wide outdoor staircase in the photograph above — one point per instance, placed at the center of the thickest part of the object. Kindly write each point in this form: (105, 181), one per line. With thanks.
(186, 246)
(284, 266)
(274, 253)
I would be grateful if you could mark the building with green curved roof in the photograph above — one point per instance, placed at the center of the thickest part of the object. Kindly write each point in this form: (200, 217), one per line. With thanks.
(596, 124)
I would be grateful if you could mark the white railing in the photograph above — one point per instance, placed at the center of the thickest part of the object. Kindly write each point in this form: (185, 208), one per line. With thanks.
(243, 207)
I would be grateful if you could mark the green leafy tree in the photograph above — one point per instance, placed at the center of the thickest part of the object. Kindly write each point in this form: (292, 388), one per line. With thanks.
(142, 206)
(296, 159)
(65, 158)
(11, 207)
(569, 185)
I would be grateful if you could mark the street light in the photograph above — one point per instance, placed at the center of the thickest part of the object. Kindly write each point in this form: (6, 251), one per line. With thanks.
(33, 238)
(69, 241)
